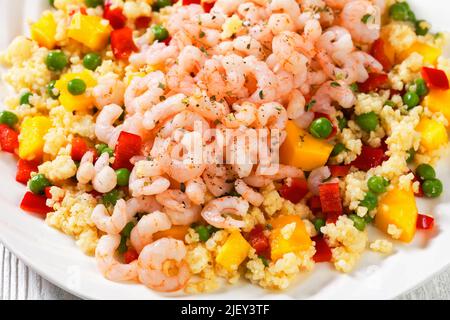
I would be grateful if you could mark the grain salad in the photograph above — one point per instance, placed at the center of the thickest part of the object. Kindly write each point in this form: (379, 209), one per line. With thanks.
(187, 144)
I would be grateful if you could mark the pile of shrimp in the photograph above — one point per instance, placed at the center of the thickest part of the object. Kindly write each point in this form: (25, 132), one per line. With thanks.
(286, 53)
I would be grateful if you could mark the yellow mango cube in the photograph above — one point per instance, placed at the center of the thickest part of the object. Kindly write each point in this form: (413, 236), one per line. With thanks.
(302, 150)
(233, 252)
(298, 241)
(176, 232)
(429, 53)
(44, 30)
(76, 103)
(438, 101)
(433, 134)
(31, 138)
(92, 31)
(398, 207)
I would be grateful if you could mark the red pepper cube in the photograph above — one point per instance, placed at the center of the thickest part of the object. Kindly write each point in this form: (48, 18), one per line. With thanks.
(130, 256)
(167, 41)
(339, 171)
(323, 251)
(435, 78)
(9, 139)
(259, 241)
(188, 2)
(128, 146)
(24, 170)
(424, 222)
(378, 52)
(122, 43)
(375, 81)
(79, 148)
(314, 204)
(207, 6)
(142, 22)
(116, 18)
(35, 203)
(369, 158)
(330, 198)
(295, 191)
(47, 192)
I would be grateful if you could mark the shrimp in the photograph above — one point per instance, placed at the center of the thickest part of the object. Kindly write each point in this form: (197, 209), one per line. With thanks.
(104, 125)
(196, 191)
(279, 22)
(248, 46)
(162, 266)
(336, 39)
(244, 115)
(156, 54)
(290, 7)
(178, 207)
(111, 224)
(147, 204)
(109, 90)
(296, 106)
(266, 81)
(273, 115)
(208, 107)
(143, 93)
(316, 177)
(148, 225)
(105, 178)
(143, 185)
(226, 7)
(253, 14)
(333, 91)
(164, 110)
(215, 210)
(253, 197)
(234, 67)
(284, 48)
(211, 78)
(257, 181)
(362, 30)
(107, 263)
(186, 120)
(217, 179)
(86, 170)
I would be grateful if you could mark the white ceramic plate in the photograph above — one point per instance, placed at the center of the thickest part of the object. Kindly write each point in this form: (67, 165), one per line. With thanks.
(55, 256)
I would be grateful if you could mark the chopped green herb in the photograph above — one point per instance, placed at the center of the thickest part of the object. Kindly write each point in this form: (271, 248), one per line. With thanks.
(335, 84)
(310, 104)
(365, 18)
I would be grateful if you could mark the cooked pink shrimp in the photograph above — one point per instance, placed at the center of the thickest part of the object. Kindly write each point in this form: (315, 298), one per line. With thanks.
(148, 186)
(336, 39)
(244, 115)
(226, 7)
(262, 33)
(248, 46)
(196, 191)
(217, 179)
(211, 20)
(148, 225)
(273, 115)
(296, 106)
(105, 178)
(266, 81)
(164, 110)
(362, 30)
(234, 67)
(178, 207)
(156, 54)
(316, 177)
(186, 120)
(252, 13)
(331, 91)
(212, 78)
(279, 22)
(109, 90)
(183, 169)
(290, 7)
(104, 125)
(215, 210)
(253, 197)
(108, 265)
(208, 107)
(143, 93)
(111, 224)
(257, 181)
(86, 170)
(284, 48)
(357, 65)
(285, 171)
(162, 267)
(146, 204)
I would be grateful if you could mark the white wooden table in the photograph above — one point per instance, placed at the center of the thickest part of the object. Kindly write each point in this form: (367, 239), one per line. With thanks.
(17, 281)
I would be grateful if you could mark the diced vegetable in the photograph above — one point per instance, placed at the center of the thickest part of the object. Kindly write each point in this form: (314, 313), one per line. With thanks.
(435, 78)
(35, 204)
(259, 241)
(128, 146)
(176, 232)
(91, 31)
(367, 121)
(377, 184)
(424, 222)
(323, 251)
(79, 148)
(378, 52)
(38, 183)
(31, 138)
(123, 177)
(295, 191)
(314, 204)
(43, 31)
(56, 61)
(302, 150)
(398, 207)
(433, 134)
(160, 33)
(130, 255)
(142, 22)
(188, 2)
(425, 171)
(429, 53)
(92, 61)
(116, 18)
(330, 198)
(369, 158)
(339, 171)
(81, 102)
(432, 188)
(299, 240)
(208, 5)
(438, 101)
(233, 252)
(9, 140)
(375, 81)
(9, 118)
(321, 128)
(122, 43)
(24, 170)
(411, 99)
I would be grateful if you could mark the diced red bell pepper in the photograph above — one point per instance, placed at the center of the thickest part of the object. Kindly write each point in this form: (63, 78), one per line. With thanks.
(435, 78)
(188, 2)
(81, 10)
(47, 192)
(9, 139)
(332, 217)
(375, 81)
(24, 170)
(167, 41)
(122, 43)
(295, 191)
(339, 171)
(35, 203)
(378, 53)
(323, 251)
(314, 204)
(142, 22)
(207, 6)
(369, 158)
(116, 18)
(330, 198)
(259, 241)
(128, 146)
(79, 148)
(130, 255)
(424, 222)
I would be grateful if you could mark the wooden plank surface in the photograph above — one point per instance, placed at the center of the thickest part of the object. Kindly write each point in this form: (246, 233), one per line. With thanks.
(17, 281)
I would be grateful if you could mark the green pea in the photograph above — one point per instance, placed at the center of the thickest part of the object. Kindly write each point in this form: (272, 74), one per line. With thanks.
(367, 121)
(377, 184)
(56, 60)
(421, 87)
(76, 87)
(102, 148)
(159, 4)
(94, 3)
(400, 11)
(425, 171)
(25, 98)
(110, 198)
(358, 222)
(38, 183)
(52, 91)
(319, 223)
(411, 99)
(422, 27)
(126, 231)
(432, 188)
(123, 245)
(203, 233)
(160, 32)
(338, 148)
(9, 118)
(321, 128)
(92, 61)
(342, 123)
(123, 176)
(370, 201)
(390, 103)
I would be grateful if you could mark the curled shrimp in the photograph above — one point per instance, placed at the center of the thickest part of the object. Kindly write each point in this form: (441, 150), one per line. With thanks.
(336, 39)
(105, 178)
(296, 106)
(178, 207)
(215, 210)
(109, 90)
(362, 30)
(142, 204)
(207, 107)
(266, 81)
(234, 67)
(140, 184)
(104, 125)
(86, 170)
(196, 191)
(289, 7)
(279, 22)
(285, 47)
(244, 115)
(161, 265)
(253, 197)
(186, 120)
(273, 115)
(143, 93)
(108, 264)
(148, 225)
(333, 91)
(217, 179)
(163, 110)
(111, 224)
(248, 46)
(156, 54)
